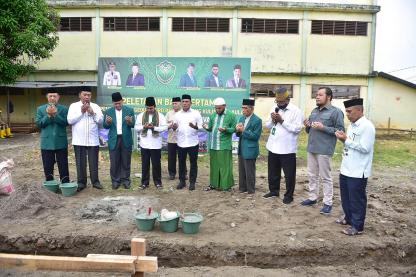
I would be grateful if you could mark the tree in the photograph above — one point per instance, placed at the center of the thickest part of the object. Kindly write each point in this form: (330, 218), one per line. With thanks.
(28, 34)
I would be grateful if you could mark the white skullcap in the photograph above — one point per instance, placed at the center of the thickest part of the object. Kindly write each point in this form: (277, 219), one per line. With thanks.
(219, 101)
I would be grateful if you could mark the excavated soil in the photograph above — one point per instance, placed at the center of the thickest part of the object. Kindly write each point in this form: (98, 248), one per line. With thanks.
(29, 201)
(240, 235)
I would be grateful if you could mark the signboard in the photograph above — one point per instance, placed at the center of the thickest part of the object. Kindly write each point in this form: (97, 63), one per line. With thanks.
(163, 78)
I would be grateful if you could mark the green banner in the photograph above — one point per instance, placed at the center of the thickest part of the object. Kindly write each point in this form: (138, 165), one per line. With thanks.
(163, 78)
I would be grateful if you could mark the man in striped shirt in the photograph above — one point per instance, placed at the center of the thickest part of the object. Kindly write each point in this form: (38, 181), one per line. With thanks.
(221, 127)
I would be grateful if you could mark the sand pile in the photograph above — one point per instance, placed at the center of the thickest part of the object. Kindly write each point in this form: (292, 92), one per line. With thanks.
(28, 200)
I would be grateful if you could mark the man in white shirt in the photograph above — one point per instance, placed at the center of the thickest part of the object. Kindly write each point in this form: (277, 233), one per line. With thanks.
(285, 124)
(150, 124)
(356, 166)
(188, 122)
(85, 117)
(111, 77)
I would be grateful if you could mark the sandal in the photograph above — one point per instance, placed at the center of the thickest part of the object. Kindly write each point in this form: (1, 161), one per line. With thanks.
(341, 221)
(209, 188)
(352, 232)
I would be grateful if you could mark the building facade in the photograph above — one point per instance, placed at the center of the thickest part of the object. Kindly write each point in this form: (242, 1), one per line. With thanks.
(298, 44)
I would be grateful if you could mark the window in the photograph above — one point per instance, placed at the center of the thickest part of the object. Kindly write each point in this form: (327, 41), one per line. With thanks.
(268, 90)
(272, 26)
(339, 92)
(75, 24)
(134, 24)
(12, 91)
(350, 28)
(192, 24)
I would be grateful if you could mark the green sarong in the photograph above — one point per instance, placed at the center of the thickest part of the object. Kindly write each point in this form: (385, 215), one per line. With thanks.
(221, 169)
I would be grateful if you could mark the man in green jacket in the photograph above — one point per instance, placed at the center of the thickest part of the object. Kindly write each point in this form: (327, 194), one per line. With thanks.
(119, 120)
(221, 127)
(51, 120)
(249, 129)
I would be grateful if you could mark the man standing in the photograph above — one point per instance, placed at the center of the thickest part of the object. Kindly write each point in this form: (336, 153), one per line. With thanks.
(51, 120)
(221, 127)
(119, 119)
(213, 80)
(111, 77)
(85, 117)
(188, 79)
(355, 166)
(150, 124)
(248, 129)
(236, 81)
(172, 137)
(286, 122)
(188, 122)
(135, 78)
(321, 126)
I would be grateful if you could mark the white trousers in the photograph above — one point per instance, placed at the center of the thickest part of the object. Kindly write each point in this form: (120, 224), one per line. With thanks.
(319, 167)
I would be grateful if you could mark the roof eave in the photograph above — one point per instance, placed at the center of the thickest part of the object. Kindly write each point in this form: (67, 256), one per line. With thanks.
(231, 4)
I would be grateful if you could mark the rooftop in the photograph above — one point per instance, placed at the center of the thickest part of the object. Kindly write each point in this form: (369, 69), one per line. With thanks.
(229, 4)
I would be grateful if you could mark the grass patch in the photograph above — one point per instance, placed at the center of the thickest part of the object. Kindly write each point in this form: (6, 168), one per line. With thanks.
(388, 152)
(397, 153)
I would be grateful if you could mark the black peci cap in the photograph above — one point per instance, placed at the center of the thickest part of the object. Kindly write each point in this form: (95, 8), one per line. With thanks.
(353, 102)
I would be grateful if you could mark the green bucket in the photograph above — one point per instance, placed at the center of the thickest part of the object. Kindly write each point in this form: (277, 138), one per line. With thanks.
(169, 226)
(146, 222)
(191, 223)
(51, 185)
(68, 189)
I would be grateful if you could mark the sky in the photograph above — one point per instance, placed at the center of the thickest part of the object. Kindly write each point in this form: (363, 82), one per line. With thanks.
(396, 39)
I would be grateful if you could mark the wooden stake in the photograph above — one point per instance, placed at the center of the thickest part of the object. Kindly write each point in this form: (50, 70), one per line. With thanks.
(138, 248)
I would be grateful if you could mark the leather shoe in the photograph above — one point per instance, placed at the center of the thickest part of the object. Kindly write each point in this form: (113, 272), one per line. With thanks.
(126, 185)
(308, 202)
(271, 195)
(80, 187)
(97, 186)
(180, 186)
(143, 186)
(191, 186)
(115, 185)
(287, 200)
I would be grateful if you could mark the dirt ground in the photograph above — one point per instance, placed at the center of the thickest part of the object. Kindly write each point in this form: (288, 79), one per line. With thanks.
(240, 235)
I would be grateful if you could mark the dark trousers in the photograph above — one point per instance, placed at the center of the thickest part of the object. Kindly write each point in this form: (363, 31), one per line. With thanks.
(154, 156)
(81, 153)
(247, 174)
(354, 200)
(277, 162)
(60, 156)
(172, 154)
(120, 161)
(193, 160)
